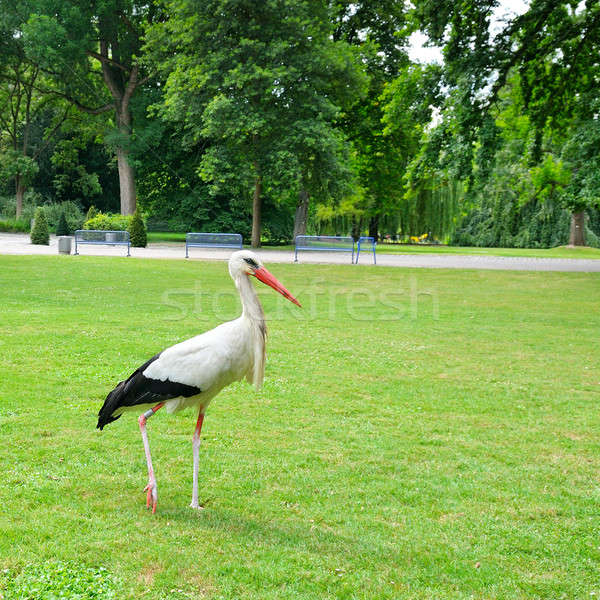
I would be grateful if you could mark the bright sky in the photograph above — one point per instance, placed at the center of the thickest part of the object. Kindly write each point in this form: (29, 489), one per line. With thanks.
(419, 52)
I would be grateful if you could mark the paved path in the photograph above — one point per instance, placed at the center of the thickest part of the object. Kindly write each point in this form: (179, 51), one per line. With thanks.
(16, 243)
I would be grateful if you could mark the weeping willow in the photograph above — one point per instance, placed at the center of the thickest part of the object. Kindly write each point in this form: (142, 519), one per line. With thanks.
(432, 206)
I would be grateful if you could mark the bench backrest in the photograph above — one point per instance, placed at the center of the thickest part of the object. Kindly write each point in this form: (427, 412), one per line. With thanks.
(366, 241)
(98, 236)
(324, 242)
(206, 240)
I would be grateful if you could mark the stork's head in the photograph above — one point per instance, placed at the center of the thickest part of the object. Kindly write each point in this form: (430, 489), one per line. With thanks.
(244, 263)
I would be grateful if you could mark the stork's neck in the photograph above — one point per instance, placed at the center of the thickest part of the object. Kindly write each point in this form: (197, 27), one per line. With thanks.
(251, 306)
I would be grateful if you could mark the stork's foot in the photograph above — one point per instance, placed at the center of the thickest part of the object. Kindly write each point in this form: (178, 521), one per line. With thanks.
(151, 494)
(194, 504)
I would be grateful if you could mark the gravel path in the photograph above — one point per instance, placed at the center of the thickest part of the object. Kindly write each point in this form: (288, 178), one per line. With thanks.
(16, 243)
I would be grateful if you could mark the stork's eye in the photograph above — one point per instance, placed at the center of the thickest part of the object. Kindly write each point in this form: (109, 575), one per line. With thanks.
(252, 262)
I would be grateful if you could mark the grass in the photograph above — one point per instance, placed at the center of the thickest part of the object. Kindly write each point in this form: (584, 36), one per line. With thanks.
(558, 252)
(436, 438)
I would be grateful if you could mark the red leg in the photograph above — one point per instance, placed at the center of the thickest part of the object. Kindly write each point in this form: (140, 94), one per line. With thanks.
(151, 489)
(196, 452)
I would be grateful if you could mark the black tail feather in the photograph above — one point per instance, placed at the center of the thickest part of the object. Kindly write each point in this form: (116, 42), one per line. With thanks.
(138, 389)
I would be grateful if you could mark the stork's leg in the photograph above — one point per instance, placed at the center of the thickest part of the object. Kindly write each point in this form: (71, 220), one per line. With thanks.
(196, 449)
(151, 489)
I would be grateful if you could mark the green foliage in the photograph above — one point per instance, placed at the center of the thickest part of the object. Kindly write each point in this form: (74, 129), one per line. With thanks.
(55, 580)
(14, 163)
(30, 202)
(284, 75)
(72, 212)
(62, 228)
(137, 230)
(14, 226)
(108, 222)
(39, 231)
(91, 213)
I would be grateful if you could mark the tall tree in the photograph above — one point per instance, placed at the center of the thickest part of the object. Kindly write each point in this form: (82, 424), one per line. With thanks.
(91, 51)
(22, 110)
(553, 47)
(377, 30)
(255, 79)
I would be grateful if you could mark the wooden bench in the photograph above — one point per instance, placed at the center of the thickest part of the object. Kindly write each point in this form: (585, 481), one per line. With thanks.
(324, 243)
(212, 240)
(101, 237)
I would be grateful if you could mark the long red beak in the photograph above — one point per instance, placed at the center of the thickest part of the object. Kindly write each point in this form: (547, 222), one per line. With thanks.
(263, 275)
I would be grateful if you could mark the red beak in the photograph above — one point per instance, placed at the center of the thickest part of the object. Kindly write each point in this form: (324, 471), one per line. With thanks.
(263, 275)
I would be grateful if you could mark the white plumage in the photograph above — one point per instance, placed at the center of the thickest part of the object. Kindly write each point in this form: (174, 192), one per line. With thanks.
(193, 372)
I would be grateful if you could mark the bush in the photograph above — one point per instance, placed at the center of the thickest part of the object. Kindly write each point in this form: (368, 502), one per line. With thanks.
(91, 213)
(8, 206)
(39, 231)
(14, 226)
(62, 228)
(137, 231)
(108, 222)
(72, 212)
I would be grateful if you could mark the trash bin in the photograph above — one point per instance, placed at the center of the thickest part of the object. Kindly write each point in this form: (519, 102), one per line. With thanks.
(64, 244)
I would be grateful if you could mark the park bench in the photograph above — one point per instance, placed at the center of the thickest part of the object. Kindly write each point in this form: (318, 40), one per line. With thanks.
(212, 240)
(97, 237)
(324, 243)
(367, 244)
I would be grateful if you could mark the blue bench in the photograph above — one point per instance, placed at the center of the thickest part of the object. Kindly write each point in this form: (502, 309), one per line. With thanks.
(324, 243)
(369, 244)
(100, 237)
(212, 240)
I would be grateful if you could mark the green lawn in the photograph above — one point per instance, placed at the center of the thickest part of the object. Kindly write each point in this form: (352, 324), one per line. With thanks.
(559, 252)
(437, 438)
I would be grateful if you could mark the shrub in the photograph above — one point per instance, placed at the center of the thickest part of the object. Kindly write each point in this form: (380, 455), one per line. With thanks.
(13, 226)
(71, 210)
(137, 231)
(8, 206)
(91, 213)
(108, 222)
(39, 231)
(62, 228)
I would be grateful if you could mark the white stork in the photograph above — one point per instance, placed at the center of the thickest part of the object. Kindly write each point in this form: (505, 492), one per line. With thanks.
(193, 372)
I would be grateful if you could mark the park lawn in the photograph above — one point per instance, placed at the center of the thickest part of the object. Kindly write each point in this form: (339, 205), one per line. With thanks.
(558, 252)
(421, 434)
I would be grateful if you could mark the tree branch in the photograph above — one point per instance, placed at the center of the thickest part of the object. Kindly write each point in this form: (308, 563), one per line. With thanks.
(92, 111)
(51, 135)
(104, 59)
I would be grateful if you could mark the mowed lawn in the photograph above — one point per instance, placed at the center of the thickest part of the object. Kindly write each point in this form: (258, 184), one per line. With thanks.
(421, 434)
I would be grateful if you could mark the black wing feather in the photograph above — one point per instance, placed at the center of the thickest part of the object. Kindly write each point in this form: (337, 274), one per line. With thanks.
(138, 389)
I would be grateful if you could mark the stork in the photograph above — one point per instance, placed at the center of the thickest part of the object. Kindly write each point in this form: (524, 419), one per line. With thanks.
(193, 372)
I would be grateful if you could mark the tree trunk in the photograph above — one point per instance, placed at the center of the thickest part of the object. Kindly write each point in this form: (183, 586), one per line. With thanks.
(356, 228)
(126, 174)
(374, 227)
(577, 235)
(301, 213)
(20, 193)
(126, 182)
(256, 213)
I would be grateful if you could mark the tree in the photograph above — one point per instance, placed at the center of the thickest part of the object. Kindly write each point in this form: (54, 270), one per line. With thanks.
(22, 109)
(39, 232)
(377, 30)
(552, 47)
(257, 81)
(91, 51)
